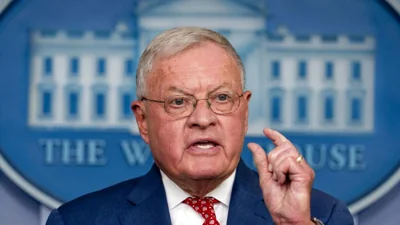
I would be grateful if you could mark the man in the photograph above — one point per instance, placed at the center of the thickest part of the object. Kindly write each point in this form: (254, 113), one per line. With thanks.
(192, 111)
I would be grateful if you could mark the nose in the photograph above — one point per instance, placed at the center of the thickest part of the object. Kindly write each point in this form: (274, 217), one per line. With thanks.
(202, 115)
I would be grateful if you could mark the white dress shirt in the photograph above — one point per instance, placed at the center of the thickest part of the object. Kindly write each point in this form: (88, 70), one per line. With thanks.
(183, 214)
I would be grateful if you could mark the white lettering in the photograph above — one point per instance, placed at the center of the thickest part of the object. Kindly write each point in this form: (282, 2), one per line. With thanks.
(136, 153)
(96, 152)
(49, 146)
(338, 161)
(73, 152)
(356, 157)
(311, 153)
(335, 157)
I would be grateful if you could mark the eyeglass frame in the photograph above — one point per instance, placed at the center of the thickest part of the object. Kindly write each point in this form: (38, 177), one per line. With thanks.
(195, 104)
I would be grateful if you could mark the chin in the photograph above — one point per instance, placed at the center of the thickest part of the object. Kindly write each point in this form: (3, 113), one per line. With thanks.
(206, 172)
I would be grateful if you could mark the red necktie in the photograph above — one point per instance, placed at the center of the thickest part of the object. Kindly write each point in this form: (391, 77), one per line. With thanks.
(205, 207)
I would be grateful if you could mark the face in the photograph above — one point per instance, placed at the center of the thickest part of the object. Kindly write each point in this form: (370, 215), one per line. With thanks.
(203, 145)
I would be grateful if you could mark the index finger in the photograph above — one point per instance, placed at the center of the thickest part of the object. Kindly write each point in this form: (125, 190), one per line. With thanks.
(261, 161)
(276, 137)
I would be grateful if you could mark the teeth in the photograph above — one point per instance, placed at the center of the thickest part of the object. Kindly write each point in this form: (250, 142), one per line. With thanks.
(205, 146)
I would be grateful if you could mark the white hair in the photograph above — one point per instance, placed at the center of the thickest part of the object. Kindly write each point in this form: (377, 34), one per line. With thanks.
(174, 41)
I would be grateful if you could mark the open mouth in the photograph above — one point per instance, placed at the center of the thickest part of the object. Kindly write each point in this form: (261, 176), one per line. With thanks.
(204, 144)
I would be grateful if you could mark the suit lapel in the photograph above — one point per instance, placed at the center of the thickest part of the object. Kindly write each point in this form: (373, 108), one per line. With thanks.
(247, 204)
(148, 202)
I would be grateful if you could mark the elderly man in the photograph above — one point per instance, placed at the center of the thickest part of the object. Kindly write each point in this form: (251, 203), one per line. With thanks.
(192, 110)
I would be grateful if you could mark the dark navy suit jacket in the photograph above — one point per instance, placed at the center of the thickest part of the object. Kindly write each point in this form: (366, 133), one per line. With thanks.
(142, 201)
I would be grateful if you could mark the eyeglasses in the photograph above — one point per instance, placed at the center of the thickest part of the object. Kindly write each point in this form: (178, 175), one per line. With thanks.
(184, 105)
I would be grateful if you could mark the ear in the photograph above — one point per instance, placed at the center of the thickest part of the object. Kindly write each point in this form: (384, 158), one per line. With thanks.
(246, 97)
(139, 110)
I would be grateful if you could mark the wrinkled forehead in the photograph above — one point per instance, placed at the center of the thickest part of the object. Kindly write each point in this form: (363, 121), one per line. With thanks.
(190, 66)
(193, 76)
(196, 68)
(199, 68)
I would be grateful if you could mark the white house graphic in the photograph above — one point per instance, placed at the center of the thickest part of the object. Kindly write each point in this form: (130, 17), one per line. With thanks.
(300, 83)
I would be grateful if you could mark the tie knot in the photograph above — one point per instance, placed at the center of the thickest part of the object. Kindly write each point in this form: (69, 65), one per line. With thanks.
(205, 207)
(200, 201)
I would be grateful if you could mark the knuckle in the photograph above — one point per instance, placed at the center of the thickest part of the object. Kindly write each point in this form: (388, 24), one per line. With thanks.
(310, 178)
(287, 145)
(272, 155)
(291, 159)
(312, 174)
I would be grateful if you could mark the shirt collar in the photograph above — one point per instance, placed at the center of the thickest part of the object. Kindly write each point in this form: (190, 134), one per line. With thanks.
(175, 195)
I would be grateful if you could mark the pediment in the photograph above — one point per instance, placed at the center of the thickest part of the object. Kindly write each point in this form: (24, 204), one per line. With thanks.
(197, 8)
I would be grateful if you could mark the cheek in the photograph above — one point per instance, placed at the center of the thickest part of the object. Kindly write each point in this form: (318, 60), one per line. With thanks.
(234, 134)
(166, 138)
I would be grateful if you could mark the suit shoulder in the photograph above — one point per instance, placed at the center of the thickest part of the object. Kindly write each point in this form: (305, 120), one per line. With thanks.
(320, 196)
(325, 206)
(105, 199)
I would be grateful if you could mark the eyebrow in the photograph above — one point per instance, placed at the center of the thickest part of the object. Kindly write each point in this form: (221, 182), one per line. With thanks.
(176, 89)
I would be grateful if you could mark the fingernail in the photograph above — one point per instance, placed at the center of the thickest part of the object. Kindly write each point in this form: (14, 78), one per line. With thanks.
(270, 168)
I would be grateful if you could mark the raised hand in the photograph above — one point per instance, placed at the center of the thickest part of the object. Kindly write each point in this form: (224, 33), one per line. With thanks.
(285, 179)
